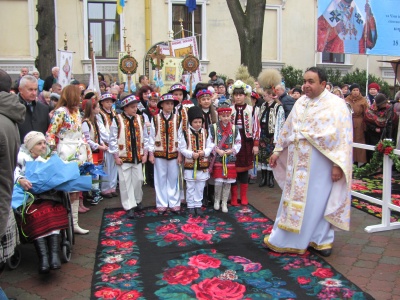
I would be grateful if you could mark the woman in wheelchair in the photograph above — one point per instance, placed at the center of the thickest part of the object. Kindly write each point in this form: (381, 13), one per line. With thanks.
(42, 228)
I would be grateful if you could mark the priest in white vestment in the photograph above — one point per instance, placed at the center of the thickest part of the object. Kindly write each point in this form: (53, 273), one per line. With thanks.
(312, 163)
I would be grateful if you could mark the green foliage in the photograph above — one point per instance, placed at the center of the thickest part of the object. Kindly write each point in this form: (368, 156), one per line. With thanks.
(292, 76)
(360, 77)
(334, 76)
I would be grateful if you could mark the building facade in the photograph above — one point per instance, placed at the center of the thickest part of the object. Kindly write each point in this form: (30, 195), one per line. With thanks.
(289, 35)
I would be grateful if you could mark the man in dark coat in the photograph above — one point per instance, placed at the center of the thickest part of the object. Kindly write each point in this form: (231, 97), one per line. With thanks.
(37, 115)
(53, 78)
(11, 112)
(286, 100)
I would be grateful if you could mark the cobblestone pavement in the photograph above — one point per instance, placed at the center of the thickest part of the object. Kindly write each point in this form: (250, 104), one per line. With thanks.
(370, 260)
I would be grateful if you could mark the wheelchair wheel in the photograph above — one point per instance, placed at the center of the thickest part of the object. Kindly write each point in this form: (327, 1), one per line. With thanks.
(14, 261)
(66, 252)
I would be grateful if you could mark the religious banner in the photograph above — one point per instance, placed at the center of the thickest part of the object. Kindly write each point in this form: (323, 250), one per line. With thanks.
(359, 27)
(65, 65)
(185, 46)
(171, 72)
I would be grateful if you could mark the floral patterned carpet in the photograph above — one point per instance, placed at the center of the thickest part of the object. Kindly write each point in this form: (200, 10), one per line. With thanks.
(372, 186)
(217, 256)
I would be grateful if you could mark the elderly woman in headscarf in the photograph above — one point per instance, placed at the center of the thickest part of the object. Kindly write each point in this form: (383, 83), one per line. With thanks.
(380, 121)
(359, 105)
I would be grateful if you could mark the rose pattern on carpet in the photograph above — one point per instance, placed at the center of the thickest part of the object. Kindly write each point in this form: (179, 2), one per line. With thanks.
(372, 186)
(201, 268)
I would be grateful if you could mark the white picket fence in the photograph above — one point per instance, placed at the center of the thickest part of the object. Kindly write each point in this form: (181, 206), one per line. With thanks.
(386, 203)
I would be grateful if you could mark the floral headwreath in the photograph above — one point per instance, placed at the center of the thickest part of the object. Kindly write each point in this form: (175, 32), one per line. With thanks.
(240, 85)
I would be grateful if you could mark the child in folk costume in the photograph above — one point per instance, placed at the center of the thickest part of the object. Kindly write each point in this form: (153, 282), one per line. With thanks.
(106, 116)
(181, 94)
(253, 171)
(227, 144)
(204, 101)
(195, 145)
(128, 144)
(248, 126)
(149, 112)
(272, 118)
(163, 153)
(91, 130)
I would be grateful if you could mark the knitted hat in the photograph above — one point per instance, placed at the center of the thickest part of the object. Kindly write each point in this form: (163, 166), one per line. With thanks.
(54, 96)
(374, 85)
(297, 90)
(224, 107)
(105, 96)
(354, 86)
(212, 74)
(179, 87)
(167, 97)
(195, 112)
(380, 99)
(32, 138)
(129, 100)
(202, 93)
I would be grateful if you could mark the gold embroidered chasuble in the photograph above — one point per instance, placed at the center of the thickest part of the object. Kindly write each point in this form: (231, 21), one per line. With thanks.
(324, 123)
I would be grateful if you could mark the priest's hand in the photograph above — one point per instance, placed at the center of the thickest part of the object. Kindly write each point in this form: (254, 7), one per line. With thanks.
(151, 158)
(337, 173)
(144, 159)
(272, 160)
(118, 161)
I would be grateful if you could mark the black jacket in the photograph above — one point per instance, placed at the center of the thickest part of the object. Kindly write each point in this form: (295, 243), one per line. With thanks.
(38, 120)
(48, 82)
(287, 103)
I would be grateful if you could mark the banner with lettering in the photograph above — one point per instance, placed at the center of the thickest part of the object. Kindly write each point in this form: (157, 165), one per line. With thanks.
(359, 27)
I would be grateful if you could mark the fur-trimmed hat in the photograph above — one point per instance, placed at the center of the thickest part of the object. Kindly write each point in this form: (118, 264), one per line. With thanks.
(202, 93)
(167, 97)
(195, 112)
(105, 96)
(179, 87)
(129, 100)
(32, 138)
(374, 85)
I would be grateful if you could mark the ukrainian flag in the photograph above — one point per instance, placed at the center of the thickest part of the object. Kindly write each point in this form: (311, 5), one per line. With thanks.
(120, 6)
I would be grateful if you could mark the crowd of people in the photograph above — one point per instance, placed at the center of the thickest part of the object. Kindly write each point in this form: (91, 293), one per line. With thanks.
(197, 149)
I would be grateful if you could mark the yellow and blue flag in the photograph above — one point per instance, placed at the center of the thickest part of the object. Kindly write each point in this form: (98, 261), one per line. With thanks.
(120, 6)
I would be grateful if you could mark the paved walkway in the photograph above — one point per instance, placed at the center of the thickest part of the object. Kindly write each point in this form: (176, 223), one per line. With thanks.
(372, 261)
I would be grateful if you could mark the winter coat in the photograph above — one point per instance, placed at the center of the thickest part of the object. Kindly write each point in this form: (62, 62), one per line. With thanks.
(11, 113)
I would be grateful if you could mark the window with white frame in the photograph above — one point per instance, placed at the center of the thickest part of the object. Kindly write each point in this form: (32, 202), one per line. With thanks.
(104, 27)
(193, 23)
